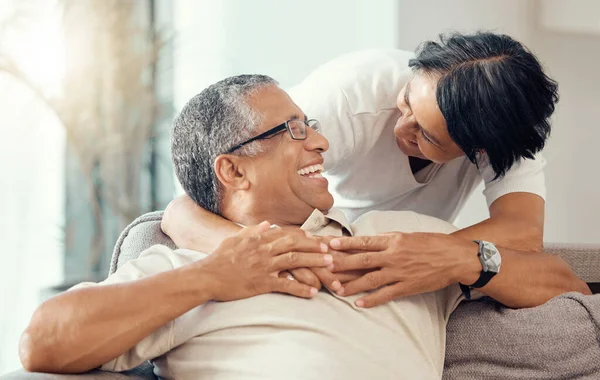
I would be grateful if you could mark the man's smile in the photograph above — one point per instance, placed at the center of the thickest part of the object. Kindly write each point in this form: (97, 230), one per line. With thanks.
(313, 173)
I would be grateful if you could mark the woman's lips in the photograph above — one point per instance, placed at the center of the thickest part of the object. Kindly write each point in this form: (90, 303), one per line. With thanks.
(411, 143)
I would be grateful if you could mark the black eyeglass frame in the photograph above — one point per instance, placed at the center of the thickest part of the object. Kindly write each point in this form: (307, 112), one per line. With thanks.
(275, 130)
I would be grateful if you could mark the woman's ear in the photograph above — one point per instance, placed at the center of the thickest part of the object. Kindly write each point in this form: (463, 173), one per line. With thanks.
(231, 172)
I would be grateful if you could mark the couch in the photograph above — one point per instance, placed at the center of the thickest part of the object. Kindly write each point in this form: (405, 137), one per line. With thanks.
(557, 340)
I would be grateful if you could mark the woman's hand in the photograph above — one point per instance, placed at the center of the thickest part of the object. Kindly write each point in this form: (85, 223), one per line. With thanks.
(249, 263)
(404, 264)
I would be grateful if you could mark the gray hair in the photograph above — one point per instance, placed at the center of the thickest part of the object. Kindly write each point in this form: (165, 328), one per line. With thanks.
(209, 124)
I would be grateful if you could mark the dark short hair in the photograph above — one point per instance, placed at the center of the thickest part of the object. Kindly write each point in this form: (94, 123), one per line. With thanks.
(493, 93)
(208, 125)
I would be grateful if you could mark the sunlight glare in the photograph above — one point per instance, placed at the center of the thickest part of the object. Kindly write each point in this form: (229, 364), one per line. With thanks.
(40, 52)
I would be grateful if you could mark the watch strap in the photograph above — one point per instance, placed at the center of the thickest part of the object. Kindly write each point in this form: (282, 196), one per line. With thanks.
(484, 277)
(466, 291)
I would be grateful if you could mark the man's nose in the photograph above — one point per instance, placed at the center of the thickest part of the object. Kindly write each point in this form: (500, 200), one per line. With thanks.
(315, 141)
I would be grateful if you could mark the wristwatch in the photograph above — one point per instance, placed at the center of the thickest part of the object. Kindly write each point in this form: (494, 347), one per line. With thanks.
(490, 260)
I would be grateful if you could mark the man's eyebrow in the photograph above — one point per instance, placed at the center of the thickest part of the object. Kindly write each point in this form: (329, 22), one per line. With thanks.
(296, 116)
(406, 97)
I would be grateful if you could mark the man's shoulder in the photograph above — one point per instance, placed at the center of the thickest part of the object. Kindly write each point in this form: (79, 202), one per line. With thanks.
(378, 222)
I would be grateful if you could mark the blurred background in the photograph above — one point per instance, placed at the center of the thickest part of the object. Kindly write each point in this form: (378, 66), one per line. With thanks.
(88, 89)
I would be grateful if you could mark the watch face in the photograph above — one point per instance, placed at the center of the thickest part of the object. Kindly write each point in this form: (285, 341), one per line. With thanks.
(491, 258)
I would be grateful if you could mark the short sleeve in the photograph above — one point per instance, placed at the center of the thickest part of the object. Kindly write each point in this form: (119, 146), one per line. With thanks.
(154, 260)
(525, 176)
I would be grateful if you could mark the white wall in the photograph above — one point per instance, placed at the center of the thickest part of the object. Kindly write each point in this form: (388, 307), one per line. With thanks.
(573, 177)
(424, 19)
(572, 59)
(285, 40)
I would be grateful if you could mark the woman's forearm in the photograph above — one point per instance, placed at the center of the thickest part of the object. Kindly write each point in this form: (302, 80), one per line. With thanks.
(526, 279)
(192, 227)
(516, 222)
(514, 234)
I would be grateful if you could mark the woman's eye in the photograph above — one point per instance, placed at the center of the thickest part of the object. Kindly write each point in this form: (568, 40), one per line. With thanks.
(425, 137)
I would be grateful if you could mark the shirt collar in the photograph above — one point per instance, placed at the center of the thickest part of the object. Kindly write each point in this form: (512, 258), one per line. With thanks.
(318, 220)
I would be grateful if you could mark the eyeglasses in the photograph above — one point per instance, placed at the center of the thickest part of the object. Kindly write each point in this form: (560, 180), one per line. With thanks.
(295, 127)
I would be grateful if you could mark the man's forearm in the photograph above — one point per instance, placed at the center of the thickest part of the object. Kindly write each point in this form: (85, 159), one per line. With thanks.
(192, 227)
(526, 279)
(85, 328)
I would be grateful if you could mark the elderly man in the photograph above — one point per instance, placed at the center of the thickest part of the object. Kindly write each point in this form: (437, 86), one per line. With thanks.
(244, 150)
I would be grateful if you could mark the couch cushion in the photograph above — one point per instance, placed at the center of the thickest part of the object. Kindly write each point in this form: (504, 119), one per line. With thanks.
(557, 340)
(141, 234)
(583, 258)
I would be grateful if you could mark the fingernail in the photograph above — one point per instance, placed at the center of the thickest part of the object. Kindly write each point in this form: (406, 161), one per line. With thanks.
(336, 285)
(341, 292)
(328, 259)
(264, 224)
(324, 247)
(330, 267)
(308, 234)
(313, 292)
(335, 244)
(359, 303)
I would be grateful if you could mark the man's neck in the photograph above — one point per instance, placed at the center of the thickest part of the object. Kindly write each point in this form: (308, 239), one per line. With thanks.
(249, 211)
(248, 217)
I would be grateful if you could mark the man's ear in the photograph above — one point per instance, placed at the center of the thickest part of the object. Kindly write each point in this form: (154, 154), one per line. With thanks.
(231, 172)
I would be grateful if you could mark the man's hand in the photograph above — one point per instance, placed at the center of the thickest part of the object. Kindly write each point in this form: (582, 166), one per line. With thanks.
(405, 264)
(316, 277)
(249, 263)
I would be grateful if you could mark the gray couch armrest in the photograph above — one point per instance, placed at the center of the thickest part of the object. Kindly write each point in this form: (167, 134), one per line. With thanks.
(583, 258)
(142, 372)
(139, 235)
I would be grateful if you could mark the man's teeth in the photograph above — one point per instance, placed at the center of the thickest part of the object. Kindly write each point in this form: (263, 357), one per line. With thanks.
(312, 169)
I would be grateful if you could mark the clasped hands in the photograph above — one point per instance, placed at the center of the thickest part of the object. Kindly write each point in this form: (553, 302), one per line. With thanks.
(390, 265)
(262, 260)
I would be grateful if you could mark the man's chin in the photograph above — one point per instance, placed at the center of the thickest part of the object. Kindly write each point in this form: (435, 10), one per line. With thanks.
(325, 205)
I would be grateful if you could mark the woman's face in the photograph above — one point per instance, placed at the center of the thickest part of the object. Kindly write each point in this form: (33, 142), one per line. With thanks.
(421, 130)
